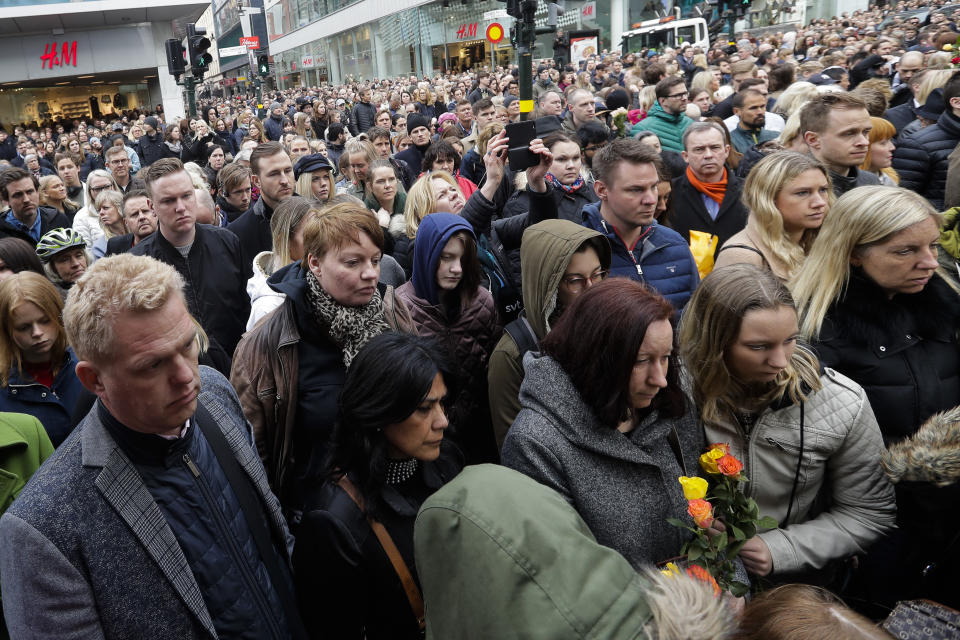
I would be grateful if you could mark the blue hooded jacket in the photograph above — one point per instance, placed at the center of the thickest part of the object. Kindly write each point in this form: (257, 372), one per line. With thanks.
(661, 259)
(432, 236)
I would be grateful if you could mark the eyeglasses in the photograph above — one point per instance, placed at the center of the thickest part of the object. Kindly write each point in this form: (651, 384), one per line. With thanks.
(96, 189)
(678, 95)
(576, 282)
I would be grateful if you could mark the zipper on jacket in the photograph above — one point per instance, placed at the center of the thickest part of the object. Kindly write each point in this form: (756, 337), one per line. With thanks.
(233, 549)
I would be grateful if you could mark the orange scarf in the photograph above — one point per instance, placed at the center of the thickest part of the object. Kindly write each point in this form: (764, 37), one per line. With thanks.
(713, 190)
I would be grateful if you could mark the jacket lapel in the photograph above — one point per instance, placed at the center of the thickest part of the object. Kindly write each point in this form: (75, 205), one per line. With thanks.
(124, 490)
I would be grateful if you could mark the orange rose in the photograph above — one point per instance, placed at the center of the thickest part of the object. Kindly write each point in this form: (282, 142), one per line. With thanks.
(722, 446)
(729, 466)
(701, 511)
(699, 573)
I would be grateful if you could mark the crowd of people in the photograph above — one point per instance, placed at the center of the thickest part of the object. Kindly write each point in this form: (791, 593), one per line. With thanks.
(337, 370)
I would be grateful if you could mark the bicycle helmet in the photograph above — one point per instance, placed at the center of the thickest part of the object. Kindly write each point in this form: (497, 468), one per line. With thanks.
(57, 241)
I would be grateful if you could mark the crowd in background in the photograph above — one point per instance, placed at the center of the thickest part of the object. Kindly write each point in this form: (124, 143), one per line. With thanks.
(335, 368)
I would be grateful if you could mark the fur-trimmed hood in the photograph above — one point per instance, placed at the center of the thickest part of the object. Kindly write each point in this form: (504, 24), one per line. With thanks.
(931, 455)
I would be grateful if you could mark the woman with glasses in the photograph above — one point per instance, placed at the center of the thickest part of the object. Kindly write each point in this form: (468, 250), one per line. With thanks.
(87, 220)
(563, 259)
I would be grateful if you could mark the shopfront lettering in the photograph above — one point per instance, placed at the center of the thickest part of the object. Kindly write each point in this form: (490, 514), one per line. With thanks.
(467, 31)
(588, 9)
(66, 57)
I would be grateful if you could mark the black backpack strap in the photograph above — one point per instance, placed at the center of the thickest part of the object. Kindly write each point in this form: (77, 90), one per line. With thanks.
(766, 264)
(522, 333)
(255, 517)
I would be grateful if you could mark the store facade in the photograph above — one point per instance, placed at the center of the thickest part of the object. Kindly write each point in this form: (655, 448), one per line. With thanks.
(56, 66)
(335, 41)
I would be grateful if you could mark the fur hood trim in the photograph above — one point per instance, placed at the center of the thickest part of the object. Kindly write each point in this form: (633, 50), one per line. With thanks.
(932, 454)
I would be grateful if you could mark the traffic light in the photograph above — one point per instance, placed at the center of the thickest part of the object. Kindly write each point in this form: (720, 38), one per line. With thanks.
(197, 45)
(263, 64)
(176, 64)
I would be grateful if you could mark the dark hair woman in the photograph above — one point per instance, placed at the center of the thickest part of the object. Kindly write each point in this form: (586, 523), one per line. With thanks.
(604, 421)
(16, 256)
(446, 300)
(388, 454)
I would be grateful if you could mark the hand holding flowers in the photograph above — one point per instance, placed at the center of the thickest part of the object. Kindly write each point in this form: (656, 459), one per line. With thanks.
(726, 521)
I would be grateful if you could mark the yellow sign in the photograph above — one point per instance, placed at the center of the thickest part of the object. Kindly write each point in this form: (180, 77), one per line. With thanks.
(526, 106)
(241, 78)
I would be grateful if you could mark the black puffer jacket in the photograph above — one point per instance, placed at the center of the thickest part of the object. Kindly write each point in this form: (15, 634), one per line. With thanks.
(923, 158)
(362, 117)
(215, 285)
(904, 351)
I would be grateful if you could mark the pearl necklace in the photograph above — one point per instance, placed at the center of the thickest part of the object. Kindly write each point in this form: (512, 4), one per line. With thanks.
(399, 471)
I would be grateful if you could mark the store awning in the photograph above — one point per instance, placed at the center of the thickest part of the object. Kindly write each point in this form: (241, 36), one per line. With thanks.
(86, 14)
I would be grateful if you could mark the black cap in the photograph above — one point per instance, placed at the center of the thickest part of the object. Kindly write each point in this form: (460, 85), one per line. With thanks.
(934, 107)
(547, 124)
(311, 163)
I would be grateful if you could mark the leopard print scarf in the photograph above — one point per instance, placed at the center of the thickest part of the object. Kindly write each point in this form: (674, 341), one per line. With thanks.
(349, 327)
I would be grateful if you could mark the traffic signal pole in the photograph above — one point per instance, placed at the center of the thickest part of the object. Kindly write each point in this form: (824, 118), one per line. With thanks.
(524, 38)
(189, 84)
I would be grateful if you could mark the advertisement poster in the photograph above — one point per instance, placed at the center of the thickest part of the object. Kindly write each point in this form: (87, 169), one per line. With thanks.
(582, 48)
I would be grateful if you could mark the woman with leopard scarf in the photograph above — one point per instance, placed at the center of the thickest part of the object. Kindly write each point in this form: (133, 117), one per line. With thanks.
(289, 369)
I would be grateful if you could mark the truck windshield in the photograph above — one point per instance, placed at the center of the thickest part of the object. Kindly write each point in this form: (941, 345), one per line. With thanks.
(659, 40)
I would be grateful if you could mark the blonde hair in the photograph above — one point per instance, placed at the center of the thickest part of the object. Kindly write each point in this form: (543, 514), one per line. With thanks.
(791, 129)
(702, 80)
(862, 217)
(483, 138)
(288, 215)
(116, 199)
(27, 286)
(711, 325)
(882, 130)
(301, 126)
(421, 200)
(705, 616)
(764, 183)
(803, 612)
(794, 97)
(197, 176)
(648, 96)
(112, 286)
(933, 79)
(304, 185)
(45, 183)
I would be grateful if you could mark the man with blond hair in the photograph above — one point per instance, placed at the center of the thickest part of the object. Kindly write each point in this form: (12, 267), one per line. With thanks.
(154, 518)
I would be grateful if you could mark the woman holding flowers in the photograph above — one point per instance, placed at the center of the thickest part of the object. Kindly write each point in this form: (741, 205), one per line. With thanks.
(807, 438)
(604, 421)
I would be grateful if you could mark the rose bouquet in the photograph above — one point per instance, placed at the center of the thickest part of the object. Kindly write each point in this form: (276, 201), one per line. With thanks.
(724, 501)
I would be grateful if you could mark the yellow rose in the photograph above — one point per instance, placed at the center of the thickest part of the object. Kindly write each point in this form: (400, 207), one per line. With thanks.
(708, 461)
(671, 570)
(948, 47)
(693, 488)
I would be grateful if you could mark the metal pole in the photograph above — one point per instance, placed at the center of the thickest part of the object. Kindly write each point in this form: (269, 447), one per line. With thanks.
(189, 84)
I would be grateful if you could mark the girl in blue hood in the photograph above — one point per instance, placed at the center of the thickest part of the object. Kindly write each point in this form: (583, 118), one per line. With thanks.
(446, 300)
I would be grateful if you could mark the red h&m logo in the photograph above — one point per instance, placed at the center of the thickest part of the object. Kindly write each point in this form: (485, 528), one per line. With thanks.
(467, 31)
(588, 10)
(67, 57)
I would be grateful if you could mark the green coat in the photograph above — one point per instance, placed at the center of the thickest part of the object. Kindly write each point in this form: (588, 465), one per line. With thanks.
(501, 556)
(24, 446)
(669, 128)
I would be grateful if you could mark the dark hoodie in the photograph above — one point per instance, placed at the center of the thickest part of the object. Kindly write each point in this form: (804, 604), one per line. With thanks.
(469, 335)
(546, 251)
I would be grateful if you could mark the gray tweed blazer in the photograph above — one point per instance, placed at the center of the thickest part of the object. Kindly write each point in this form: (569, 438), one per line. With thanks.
(85, 551)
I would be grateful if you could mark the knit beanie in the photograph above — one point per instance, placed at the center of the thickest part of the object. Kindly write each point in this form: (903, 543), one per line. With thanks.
(416, 120)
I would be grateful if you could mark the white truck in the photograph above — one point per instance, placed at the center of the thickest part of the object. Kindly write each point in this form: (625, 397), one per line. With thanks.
(671, 31)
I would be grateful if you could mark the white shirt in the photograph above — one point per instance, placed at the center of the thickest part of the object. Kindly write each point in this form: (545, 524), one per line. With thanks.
(773, 122)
